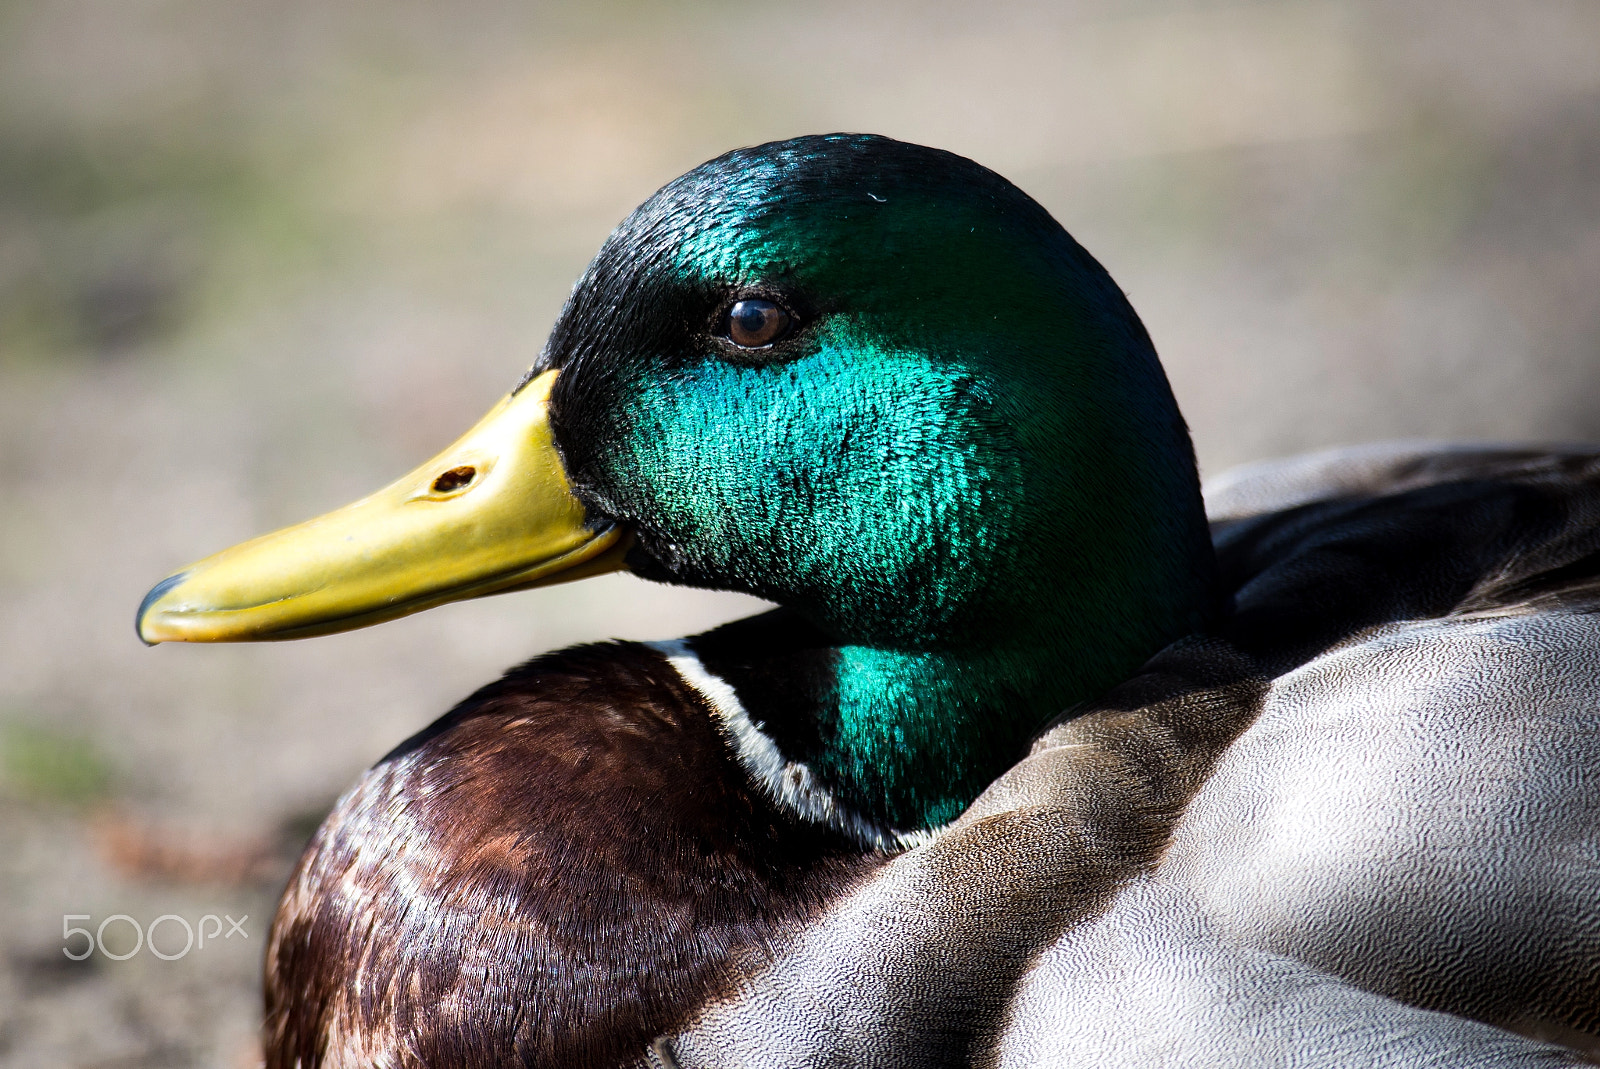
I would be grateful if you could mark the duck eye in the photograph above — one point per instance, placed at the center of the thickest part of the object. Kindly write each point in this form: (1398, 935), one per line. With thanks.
(754, 323)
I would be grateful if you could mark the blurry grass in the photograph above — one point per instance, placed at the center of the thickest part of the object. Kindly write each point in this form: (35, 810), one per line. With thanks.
(44, 766)
(127, 222)
(108, 240)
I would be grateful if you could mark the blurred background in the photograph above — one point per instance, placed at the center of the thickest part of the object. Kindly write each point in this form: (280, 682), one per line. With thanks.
(259, 257)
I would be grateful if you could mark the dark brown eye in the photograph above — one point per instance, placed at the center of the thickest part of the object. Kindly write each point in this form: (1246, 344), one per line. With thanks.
(754, 323)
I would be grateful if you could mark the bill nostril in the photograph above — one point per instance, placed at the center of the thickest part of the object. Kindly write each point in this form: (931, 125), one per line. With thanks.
(455, 479)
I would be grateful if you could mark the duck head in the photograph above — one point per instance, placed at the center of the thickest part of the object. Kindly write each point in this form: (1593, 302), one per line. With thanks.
(870, 381)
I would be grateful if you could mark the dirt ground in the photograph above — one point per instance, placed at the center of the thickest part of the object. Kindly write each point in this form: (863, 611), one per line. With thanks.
(257, 258)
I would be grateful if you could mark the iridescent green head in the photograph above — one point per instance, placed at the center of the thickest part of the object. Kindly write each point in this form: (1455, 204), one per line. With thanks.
(880, 385)
(870, 381)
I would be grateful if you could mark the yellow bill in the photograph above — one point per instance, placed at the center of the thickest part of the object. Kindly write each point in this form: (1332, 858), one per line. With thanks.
(492, 513)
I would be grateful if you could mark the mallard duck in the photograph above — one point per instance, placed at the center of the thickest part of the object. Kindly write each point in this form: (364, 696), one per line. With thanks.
(1002, 698)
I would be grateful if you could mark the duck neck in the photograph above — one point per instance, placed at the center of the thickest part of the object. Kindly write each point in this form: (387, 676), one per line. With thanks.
(888, 744)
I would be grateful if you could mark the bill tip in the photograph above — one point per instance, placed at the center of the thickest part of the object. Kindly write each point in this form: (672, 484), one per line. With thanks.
(155, 595)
